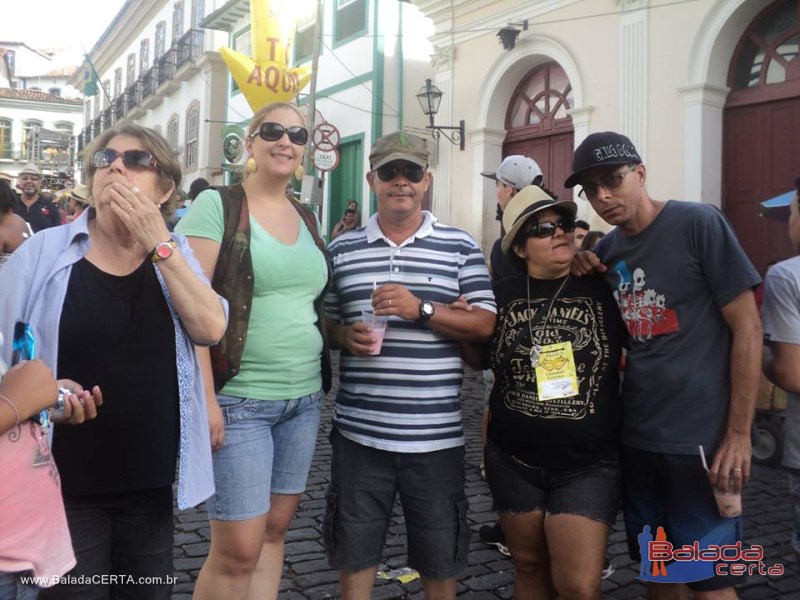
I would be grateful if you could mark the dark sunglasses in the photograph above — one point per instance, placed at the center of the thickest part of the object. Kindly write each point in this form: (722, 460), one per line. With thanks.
(547, 229)
(272, 132)
(610, 181)
(132, 159)
(414, 173)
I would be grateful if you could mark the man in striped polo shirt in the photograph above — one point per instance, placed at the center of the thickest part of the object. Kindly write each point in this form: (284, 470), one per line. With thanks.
(397, 419)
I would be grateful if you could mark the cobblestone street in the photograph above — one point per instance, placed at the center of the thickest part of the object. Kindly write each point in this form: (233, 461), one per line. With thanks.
(490, 574)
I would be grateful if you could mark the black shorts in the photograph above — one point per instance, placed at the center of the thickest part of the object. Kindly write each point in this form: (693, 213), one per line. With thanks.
(360, 501)
(673, 491)
(592, 491)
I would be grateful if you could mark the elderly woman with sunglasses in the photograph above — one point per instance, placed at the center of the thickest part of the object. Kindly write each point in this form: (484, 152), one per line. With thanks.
(263, 252)
(118, 304)
(551, 455)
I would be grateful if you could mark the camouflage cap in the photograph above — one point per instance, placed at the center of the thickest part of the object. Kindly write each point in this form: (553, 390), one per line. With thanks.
(399, 146)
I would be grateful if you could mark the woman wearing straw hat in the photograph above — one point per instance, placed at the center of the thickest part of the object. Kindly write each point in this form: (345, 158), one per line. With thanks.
(551, 456)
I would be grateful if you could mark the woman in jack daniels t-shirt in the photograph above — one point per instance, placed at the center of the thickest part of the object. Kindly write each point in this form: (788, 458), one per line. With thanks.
(551, 457)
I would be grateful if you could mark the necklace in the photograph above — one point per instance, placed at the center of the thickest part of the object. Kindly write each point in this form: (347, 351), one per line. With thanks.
(536, 349)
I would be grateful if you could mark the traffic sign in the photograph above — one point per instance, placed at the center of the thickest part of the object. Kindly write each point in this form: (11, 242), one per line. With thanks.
(325, 160)
(325, 137)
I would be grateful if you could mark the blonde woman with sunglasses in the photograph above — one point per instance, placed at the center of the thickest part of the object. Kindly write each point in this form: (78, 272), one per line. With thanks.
(116, 303)
(262, 251)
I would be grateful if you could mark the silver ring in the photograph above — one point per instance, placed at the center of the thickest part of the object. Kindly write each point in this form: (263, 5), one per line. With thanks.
(130, 209)
(736, 469)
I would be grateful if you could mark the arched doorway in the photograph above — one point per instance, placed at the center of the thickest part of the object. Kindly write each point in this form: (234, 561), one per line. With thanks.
(537, 123)
(760, 124)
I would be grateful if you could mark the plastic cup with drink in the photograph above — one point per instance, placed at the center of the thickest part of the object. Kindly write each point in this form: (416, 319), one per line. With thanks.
(378, 325)
(729, 503)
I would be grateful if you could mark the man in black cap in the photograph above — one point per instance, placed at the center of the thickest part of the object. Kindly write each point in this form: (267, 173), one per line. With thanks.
(684, 287)
(39, 211)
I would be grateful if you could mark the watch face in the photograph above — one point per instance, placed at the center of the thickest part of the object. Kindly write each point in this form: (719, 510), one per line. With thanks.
(164, 250)
(427, 308)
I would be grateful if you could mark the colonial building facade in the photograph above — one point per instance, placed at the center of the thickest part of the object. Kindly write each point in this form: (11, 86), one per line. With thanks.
(158, 67)
(708, 90)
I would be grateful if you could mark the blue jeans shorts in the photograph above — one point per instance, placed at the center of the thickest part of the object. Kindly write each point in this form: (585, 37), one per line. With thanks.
(673, 491)
(360, 502)
(592, 491)
(268, 449)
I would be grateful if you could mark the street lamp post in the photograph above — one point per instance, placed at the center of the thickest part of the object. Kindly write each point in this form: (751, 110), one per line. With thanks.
(430, 97)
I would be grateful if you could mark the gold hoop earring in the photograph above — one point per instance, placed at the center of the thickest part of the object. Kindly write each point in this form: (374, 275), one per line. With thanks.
(250, 166)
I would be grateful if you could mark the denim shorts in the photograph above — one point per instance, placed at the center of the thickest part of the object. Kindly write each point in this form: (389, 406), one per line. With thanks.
(268, 449)
(673, 491)
(592, 491)
(360, 502)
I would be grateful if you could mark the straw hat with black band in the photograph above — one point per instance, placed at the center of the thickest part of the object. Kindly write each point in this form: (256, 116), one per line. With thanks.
(529, 201)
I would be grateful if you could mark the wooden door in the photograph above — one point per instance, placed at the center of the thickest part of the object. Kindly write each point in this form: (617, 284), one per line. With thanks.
(760, 161)
(760, 124)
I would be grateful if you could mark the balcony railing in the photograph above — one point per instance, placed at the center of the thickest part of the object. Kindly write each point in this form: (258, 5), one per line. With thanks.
(120, 110)
(149, 82)
(133, 95)
(189, 46)
(166, 66)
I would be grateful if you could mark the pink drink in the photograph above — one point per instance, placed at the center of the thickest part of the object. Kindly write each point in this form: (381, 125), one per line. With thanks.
(729, 504)
(378, 331)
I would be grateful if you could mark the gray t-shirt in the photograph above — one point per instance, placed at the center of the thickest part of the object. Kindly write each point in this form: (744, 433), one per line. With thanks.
(781, 317)
(670, 282)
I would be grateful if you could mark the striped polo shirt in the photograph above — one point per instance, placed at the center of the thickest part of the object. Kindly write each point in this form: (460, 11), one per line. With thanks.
(407, 398)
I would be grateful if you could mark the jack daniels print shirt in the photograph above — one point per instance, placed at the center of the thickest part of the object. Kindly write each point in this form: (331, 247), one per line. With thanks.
(567, 432)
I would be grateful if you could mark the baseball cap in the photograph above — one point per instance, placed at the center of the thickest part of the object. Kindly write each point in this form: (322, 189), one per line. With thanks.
(30, 169)
(399, 146)
(529, 201)
(605, 148)
(516, 170)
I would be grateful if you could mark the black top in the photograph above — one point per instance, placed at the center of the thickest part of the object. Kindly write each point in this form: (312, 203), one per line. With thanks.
(502, 265)
(117, 332)
(40, 215)
(567, 432)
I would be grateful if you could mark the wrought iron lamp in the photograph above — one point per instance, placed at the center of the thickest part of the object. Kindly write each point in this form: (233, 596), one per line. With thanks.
(508, 35)
(430, 97)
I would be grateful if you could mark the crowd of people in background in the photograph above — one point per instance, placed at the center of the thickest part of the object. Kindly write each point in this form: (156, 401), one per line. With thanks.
(206, 356)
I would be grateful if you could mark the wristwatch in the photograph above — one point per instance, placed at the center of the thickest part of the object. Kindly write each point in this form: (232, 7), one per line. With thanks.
(163, 251)
(426, 310)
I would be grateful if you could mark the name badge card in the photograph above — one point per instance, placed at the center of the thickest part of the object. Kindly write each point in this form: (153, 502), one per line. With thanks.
(556, 376)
